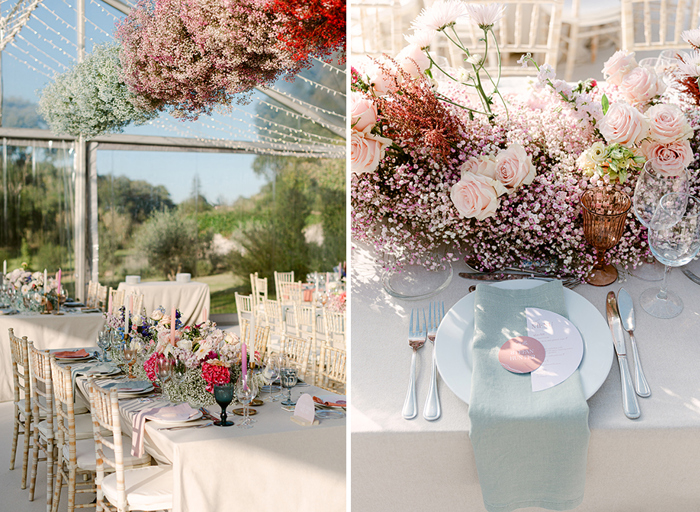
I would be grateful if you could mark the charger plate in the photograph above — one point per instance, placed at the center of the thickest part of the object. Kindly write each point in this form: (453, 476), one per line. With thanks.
(453, 343)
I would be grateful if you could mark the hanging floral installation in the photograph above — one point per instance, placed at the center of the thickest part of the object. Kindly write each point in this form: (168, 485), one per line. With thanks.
(186, 56)
(91, 99)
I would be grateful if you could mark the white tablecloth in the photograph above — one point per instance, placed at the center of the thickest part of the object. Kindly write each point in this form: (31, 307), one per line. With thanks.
(190, 298)
(276, 465)
(71, 330)
(648, 464)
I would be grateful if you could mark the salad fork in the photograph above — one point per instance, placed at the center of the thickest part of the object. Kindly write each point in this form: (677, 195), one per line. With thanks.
(416, 340)
(431, 410)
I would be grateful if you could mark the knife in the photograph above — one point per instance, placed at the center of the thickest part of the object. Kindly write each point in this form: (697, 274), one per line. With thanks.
(503, 276)
(626, 307)
(629, 398)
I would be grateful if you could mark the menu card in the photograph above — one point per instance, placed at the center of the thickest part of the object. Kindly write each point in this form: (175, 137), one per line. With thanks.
(563, 347)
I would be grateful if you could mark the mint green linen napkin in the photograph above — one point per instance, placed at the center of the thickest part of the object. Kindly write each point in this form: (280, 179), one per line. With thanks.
(530, 448)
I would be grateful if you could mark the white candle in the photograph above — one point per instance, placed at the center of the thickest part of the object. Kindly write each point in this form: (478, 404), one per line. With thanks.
(4, 267)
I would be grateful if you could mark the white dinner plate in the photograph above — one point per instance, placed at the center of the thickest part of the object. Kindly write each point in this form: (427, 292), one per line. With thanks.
(177, 423)
(453, 344)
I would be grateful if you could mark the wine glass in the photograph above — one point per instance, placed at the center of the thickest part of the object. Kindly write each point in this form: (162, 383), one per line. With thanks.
(223, 394)
(164, 366)
(178, 371)
(288, 379)
(674, 239)
(104, 341)
(271, 372)
(246, 390)
(129, 354)
(604, 214)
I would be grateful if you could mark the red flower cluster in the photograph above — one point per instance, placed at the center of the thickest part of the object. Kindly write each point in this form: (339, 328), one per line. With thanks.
(313, 27)
(215, 375)
(150, 366)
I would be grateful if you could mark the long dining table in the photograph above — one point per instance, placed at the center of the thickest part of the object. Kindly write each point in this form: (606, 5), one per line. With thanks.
(276, 464)
(192, 297)
(70, 330)
(647, 464)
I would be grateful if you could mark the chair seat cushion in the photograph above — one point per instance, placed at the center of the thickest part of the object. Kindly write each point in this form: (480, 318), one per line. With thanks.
(86, 459)
(83, 427)
(147, 489)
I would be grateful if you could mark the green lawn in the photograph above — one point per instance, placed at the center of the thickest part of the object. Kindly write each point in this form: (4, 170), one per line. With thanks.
(222, 288)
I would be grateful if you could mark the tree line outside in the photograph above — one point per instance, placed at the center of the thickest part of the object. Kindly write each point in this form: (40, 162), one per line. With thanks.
(295, 222)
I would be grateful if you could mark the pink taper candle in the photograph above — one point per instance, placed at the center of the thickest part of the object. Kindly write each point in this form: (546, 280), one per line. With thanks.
(173, 313)
(244, 362)
(206, 314)
(109, 306)
(58, 282)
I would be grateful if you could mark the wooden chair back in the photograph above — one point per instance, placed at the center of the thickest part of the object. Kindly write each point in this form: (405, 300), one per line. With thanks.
(259, 287)
(649, 25)
(117, 299)
(332, 369)
(273, 316)
(20, 371)
(282, 277)
(532, 26)
(262, 338)
(297, 351)
(335, 326)
(244, 324)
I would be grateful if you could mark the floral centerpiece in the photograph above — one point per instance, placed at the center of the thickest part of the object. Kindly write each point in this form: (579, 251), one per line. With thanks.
(29, 291)
(445, 165)
(207, 355)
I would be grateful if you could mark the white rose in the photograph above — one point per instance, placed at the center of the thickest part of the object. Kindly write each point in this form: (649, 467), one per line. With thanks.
(363, 111)
(185, 344)
(157, 315)
(413, 60)
(641, 85)
(623, 124)
(484, 165)
(476, 196)
(514, 167)
(617, 66)
(366, 151)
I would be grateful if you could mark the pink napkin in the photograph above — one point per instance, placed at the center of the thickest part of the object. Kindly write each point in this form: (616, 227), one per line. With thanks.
(181, 412)
(331, 401)
(71, 353)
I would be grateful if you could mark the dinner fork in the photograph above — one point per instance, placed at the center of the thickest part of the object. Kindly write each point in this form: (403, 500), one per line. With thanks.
(416, 340)
(431, 410)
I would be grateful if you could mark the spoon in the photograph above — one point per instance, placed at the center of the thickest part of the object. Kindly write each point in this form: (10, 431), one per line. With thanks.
(626, 308)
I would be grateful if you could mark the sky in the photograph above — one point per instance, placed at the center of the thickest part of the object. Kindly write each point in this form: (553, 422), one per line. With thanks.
(47, 45)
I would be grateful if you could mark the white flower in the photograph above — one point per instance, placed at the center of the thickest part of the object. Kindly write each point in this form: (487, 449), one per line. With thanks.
(524, 58)
(157, 315)
(546, 73)
(185, 344)
(485, 15)
(230, 338)
(441, 14)
(692, 37)
(463, 75)
(690, 65)
(421, 38)
(474, 59)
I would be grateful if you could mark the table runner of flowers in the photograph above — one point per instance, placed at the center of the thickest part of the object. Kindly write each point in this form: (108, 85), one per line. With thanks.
(443, 170)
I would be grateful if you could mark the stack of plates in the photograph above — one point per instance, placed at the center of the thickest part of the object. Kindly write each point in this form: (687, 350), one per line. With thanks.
(132, 388)
(66, 357)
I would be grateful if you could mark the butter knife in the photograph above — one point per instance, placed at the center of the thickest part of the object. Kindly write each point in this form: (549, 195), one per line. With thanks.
(626, 307)
(629, 397)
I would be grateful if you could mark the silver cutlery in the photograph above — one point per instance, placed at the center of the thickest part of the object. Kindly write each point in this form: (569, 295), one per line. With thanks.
(509, 276)
(416, 340)
(629, 398)
(691, 276)
(626, 307)
(196, 425)
(431, 410)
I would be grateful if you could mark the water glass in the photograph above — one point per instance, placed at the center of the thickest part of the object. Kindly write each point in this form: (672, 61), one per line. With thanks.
(288, 379)
(246, 391)
(223, 394)
(674, 239)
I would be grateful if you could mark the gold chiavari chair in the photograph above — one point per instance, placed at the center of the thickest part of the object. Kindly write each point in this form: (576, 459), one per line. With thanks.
(262, 338)
(332, 369)
(22, 401)
(297, 351)
(42, 407)
(134, 484)
(282, 277)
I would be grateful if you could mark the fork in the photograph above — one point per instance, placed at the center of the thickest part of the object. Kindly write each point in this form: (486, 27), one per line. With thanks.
(431, 410)
(416, 340)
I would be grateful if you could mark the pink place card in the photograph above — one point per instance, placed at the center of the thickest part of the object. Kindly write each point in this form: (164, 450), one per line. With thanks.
(521, 354)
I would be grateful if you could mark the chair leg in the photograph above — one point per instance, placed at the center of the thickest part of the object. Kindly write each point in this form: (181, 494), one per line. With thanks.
(35, 464)
(50, 461)
(571, 52)
(57, 485)
(72, 478)
(15, 437)
(25, 460)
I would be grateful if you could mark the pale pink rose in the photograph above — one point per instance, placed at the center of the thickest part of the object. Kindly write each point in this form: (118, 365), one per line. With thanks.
(669, 159)
(413, 60)
(482, 165)
(366, 151)
(641, 85)
(382, 77)
(514, 167)
(363, 111)
(617, 66)
(475, 196)
(668, 123)
(623, 124)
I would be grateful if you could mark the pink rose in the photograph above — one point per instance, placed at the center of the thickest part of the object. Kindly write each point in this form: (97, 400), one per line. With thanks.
(481, 165)
(670, 159)
(514, 167)
(668, 123)
(475, 196)
(413, 60)
(617, 66)
(366, 151)
(382, 77)
(363, 111)
(623, 124)
(641, 85)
